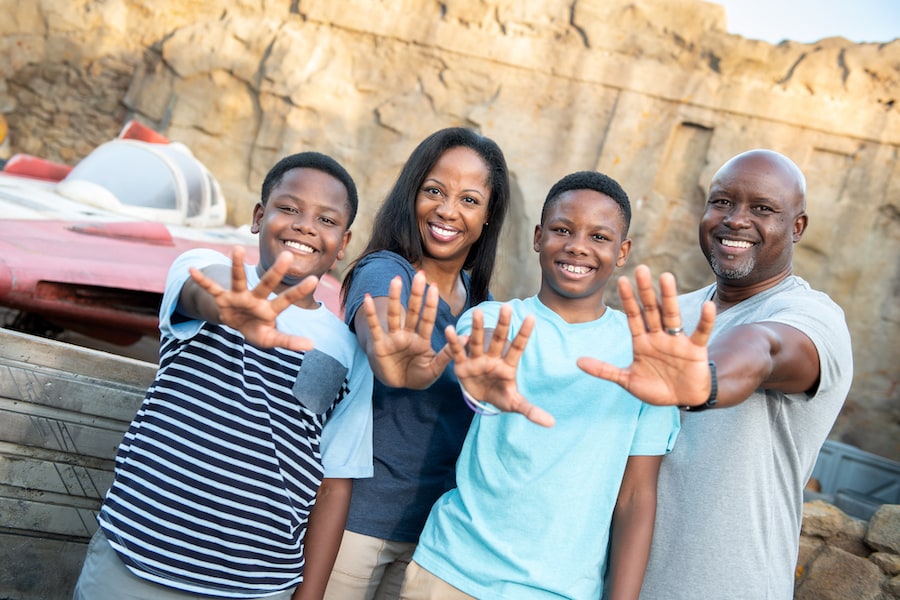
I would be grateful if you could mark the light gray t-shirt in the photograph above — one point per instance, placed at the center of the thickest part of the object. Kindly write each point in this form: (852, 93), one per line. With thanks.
(730, 494)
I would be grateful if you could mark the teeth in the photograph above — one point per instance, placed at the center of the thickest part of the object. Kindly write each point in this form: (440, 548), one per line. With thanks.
(443, 232)
(575, 270)
(300, 247)
(735, 244)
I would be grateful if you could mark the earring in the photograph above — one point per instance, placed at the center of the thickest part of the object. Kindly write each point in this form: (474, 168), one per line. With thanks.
(486, 223)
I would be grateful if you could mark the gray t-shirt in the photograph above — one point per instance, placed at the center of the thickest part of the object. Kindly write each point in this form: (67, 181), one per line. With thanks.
(730, 494)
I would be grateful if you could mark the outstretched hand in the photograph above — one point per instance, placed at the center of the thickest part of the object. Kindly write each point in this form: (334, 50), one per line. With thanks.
(250, 311)
(489, 374)
(400, 350)
(669, 368)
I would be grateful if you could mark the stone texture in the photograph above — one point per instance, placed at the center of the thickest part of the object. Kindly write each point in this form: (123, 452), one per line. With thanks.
(884, 529)
(653, 92)
(851, 538)
(892, 588)
(838, 575)
(809, 549)
(887, 562)
(822, 519)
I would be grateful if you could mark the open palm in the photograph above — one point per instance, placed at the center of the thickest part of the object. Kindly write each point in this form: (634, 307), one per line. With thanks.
(667, 370)
(251, 312)
(488, 373)
(399, 348)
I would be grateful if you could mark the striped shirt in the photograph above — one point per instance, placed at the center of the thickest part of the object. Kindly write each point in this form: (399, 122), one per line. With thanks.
(219, 469)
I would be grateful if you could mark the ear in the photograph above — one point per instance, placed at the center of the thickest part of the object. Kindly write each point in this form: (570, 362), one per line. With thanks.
(800, 224)
(258, 212)
(538, 233)
(624, 251)
(344, 242)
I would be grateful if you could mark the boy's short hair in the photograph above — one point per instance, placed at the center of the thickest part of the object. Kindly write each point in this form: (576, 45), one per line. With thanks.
(590, 180)
(311, 160)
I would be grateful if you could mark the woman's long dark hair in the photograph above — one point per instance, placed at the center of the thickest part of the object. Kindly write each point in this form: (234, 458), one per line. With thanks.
(395, 226)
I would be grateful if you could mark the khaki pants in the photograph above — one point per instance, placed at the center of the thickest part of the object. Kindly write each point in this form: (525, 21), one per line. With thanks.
(423, 585)
(368, 568)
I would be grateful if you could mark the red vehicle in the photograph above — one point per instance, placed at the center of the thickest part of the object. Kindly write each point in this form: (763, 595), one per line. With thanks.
(87, 248)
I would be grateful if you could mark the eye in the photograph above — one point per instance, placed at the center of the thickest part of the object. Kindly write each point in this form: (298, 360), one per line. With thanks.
(470, 200)
(560, 230)
(328, 220)
(287, 208)
(432, 191)
(600, 237)
(764, 209)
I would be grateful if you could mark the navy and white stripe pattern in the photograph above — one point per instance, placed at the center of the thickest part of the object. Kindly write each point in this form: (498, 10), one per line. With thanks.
(217, 474)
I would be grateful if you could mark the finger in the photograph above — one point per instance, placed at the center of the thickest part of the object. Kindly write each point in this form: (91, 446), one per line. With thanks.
(376, 333)
(631, 308)
(476, 336)
(455, 344)
(602, 370)
(395, 306)
(416, 298)
(671, 313)
(535, 414)
(271, 278)
(206, 283)
(290, 342)
(705, 326)
(238, 275)
(647, 294)
(500, 335)
(517, 347)
(429, 313)
(294, 294)
(441, 360)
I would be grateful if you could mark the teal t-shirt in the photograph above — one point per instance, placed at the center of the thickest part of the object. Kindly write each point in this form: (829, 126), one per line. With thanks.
(531, 513)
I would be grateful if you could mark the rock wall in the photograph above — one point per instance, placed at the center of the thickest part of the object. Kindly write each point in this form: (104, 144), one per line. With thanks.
(843, 557)
(654, 93)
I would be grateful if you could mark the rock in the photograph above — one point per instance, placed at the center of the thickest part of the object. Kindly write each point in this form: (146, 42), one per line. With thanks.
(888, 563)
(822, 519)
(839, 575)
(884, 529)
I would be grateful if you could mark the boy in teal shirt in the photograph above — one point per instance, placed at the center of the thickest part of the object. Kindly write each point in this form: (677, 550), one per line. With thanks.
(550, 511)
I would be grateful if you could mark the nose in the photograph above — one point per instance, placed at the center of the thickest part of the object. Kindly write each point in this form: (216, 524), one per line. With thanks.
(304, 222)
(576, 244)
(446, 208)
(738, 217)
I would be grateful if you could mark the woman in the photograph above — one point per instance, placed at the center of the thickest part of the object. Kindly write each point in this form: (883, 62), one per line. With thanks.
(442, 217)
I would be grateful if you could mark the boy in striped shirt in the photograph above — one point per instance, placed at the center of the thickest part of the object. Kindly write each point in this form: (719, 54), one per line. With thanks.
(234, 478)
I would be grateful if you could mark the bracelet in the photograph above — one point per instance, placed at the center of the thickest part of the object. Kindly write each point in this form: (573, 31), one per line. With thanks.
(713, 392)
(478, 407)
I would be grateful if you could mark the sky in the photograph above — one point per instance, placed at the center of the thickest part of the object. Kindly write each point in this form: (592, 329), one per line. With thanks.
(811, 20)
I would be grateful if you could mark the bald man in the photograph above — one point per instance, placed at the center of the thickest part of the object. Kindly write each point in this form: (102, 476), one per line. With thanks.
(770, 357)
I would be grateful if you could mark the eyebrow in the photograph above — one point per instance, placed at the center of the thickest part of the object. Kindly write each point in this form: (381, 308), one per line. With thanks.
(321, 206)
(439, 182)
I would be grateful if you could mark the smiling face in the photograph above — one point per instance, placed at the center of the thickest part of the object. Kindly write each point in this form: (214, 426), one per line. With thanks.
(452, 205)
(580, 242)
(754, 215)
(306, 214)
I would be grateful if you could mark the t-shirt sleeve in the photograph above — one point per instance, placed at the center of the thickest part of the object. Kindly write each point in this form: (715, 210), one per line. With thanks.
(657, 429)
(347, 435)
(823, 321)
(373, 276)
(169, 323)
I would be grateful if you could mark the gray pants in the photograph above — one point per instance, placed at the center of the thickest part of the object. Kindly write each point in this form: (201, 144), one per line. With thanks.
(105, 577)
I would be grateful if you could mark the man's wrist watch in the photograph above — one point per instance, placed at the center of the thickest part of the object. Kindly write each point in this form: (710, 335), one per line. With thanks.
(713, 392)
